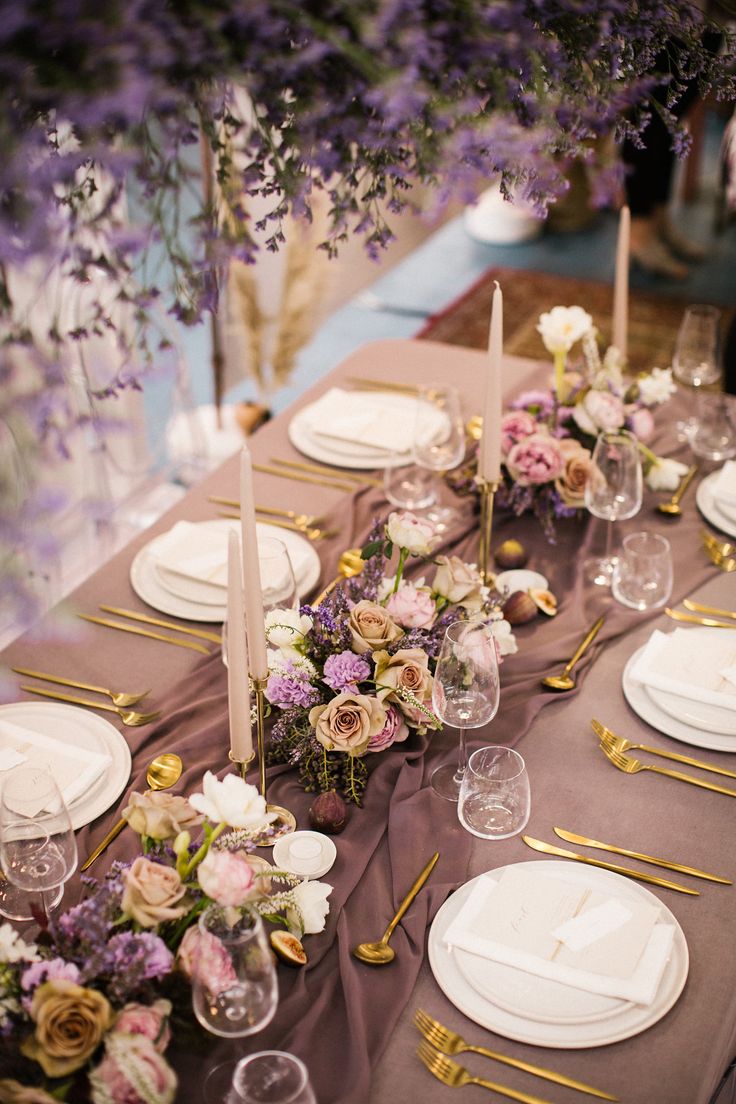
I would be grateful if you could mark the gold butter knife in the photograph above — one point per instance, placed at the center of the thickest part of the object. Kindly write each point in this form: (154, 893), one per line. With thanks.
(573, 837)
(202, 633)
(268, 470)
(145, 632)
(691, 619)
(550, 849)
(321, 469)
(689, 604)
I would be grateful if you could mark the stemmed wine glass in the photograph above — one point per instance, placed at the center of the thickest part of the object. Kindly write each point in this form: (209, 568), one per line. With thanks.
(465, 692)
(613, 491)
(277, 579)
(38, 851)
(696, 362)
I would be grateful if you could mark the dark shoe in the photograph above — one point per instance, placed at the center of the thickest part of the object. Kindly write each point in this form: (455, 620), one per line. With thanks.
(682, 247)
(656, 260)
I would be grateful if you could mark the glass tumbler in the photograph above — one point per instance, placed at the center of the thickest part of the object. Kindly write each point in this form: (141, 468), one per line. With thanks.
(495, 797)
(642, 575)
(271, 1077)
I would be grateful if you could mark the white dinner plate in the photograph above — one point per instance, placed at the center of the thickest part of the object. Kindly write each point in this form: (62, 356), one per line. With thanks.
(709, 508)
(344, 454)
(194, 603)
(632, 1018)
(82, 729)
(646, 707)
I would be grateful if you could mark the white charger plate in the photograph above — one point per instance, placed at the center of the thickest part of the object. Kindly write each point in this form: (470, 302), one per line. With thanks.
(645, 707)
(631, 1020)
(82, 729)
(708, 507)
(192, 603)
(344, 454)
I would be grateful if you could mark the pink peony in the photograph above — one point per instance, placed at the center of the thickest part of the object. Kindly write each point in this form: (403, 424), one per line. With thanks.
(148, 1020)
(515, 426)
(132, 1072)
(394, 731)
(226, 877)
(537, 459)
(599, 411)
(203, 954)
(412, 608)
(641, 423)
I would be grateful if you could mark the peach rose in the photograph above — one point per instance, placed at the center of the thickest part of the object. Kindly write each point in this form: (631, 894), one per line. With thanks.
(160, 815)
(371, 627)
(402, 674)
(571, 484)
(348, 722)
(151, 892)
(71, 1022)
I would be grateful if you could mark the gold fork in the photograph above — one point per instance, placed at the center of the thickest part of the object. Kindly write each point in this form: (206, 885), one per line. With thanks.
(454, 1075)
(724, 547)
(311, 532)
(128, 716)
(118, 697)
(449, 1042)
(629, 765)
(720, 559)
(621, 744)
(273, 511)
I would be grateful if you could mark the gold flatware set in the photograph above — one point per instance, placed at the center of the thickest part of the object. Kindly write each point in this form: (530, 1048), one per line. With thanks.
(720, 553)
(620, 744)
(610, 746)
(128, 716)
(137, 631)
(679, 868)
(119, 698)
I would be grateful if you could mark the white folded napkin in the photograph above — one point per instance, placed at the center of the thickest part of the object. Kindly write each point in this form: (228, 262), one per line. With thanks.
(724, 485)
(75, 769)
(563, 931)
(696, 665)
(372, 423)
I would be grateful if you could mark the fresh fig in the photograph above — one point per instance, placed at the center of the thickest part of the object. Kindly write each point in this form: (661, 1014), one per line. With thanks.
(328, 813)
(544, 600)
(288, 948)
(511, 554)
(519, 608)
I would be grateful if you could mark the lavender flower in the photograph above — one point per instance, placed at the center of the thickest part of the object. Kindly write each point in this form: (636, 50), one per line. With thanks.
(290, 686)
(345, 670)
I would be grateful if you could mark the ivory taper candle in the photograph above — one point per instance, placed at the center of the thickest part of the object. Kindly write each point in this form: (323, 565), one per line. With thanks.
(252, 572)
(621, 284)
(238, 694)
(489, 460)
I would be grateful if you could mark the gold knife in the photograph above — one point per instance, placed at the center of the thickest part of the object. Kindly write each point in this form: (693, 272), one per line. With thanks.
(105, 843)
(573, 837)
(203, 633)
(688, 602)
(321, 469)
(691, 619)
(145, 632)
(550, 849)
(267, 470)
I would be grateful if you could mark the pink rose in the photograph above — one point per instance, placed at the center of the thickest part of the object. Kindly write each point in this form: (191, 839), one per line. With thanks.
(537, 459)
(599, 411)
(641, 423)
(132, 1072)
(394, 731)
(149, 1020)
(515, 426)
(226, 877)
(412, 608)
(459, 583)
(202, 955)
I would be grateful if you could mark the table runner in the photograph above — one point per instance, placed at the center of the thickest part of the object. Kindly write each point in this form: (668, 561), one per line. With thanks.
(338, 1014)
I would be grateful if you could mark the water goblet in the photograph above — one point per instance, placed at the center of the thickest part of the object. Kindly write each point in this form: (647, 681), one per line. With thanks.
(277, 581)
(495, 798)
(234, 989)
(696, 360)
(38, 850)
(465, 692)
(439, 442)
(613, 492)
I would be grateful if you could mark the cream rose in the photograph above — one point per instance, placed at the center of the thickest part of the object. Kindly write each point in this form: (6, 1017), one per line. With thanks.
(571, 484)
(71, 1022)
(405, 673)
(408, 531)
(160, 815)
(561, 327)
(348, 722)
(459, 582)
(371, 627)
(151, 892)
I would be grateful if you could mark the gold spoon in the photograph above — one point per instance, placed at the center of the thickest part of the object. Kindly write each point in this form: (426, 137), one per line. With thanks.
(350, 564)
(162, 772)
(672, 506)
(378, 954)
(563, 681)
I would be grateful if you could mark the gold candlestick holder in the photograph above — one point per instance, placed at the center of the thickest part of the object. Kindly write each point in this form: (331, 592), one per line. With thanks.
(487, 490)
(285, 821)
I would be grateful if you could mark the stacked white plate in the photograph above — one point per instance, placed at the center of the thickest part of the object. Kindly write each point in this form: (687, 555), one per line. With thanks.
(531, 1009)
(362, 429)
(699, 723)
(716, 498)
(157, 577)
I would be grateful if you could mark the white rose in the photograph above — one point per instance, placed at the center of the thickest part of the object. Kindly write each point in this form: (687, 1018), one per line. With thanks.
(599, 410)
(408, 531)
(562, 327)
(310, 899)
(231, 801)
(504, 637)
(286, 628)
(665, 474)
(657, 387)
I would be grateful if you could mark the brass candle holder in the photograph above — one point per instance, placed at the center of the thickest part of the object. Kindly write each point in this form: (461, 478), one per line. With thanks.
(285, 822)
(487, 491)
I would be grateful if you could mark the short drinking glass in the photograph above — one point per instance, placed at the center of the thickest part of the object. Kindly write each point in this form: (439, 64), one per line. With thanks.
(495, 799)
(271, 1077)
(642, 575)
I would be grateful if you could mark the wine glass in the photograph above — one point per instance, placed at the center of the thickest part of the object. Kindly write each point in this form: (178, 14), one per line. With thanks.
(234, 990)
(696, 360)
(38, 851)
(277, 580)
(266, 1077)
(465, 692)
(613, 491)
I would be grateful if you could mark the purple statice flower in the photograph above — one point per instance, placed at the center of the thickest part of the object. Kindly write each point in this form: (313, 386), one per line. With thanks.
(291, 686)
(46, 970)
(345, 670)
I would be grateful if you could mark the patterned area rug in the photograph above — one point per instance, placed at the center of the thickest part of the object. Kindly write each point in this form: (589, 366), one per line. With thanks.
(653, 319)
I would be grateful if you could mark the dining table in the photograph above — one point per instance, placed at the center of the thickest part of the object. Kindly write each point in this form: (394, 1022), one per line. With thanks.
(353, 1023)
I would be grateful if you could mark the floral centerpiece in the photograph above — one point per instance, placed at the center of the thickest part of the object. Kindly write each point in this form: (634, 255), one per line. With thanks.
(86, 1009)
(352, 676)
(547, 435)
